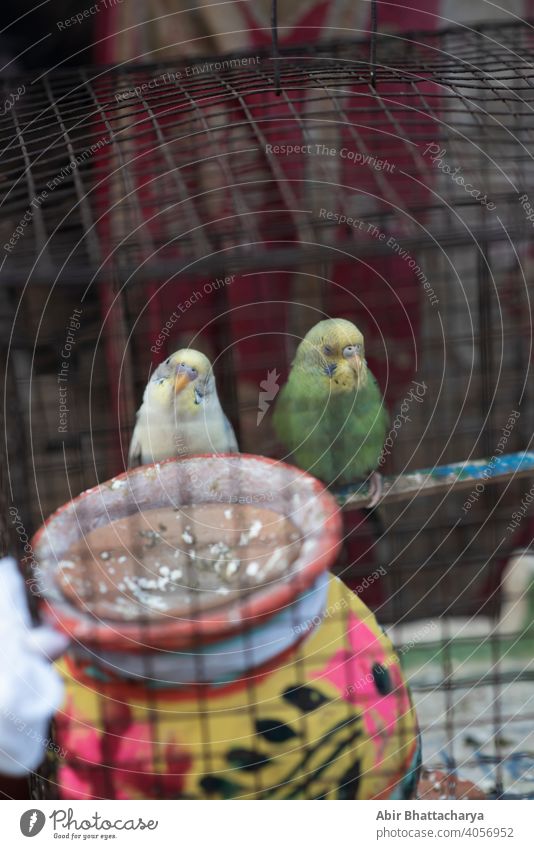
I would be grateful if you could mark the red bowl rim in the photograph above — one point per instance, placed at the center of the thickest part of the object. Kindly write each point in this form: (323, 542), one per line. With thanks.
(214, 623)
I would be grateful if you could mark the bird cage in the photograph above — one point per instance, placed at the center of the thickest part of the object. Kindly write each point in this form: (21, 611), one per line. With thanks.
(230, 203)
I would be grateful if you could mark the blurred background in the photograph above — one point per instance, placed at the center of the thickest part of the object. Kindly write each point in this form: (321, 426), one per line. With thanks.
(183, 194)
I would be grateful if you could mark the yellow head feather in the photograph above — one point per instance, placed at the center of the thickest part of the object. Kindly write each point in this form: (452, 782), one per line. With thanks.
(336, 348)
(193, 359)
(183, 380)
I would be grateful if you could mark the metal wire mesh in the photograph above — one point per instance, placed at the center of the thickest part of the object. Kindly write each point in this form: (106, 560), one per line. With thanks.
(178, 154)
(398, 206)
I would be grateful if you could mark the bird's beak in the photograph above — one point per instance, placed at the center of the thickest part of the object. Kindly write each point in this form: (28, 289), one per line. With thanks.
(357, 364)
(180, 382)
(184, 376)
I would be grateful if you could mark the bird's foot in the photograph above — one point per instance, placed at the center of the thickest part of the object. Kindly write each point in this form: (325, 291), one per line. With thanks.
(376, 486)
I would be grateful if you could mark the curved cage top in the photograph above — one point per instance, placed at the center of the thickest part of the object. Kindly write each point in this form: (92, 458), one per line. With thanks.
(201, 167)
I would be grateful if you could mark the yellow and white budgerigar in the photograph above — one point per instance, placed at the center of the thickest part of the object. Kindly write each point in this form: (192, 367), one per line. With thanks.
(181, 413)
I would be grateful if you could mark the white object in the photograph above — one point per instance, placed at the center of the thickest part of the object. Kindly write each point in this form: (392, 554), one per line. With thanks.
(30, 688)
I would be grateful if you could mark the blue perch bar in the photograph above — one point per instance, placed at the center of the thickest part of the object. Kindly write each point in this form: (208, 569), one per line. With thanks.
(439, 479)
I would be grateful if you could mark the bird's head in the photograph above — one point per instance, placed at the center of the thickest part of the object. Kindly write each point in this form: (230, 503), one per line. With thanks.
(185, 380)
(335, 348)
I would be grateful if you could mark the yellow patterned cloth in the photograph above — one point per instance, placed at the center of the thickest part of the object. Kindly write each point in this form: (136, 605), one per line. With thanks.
(331, 718)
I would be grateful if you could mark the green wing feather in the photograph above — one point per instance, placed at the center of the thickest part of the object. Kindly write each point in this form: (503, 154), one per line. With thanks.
(336, 437)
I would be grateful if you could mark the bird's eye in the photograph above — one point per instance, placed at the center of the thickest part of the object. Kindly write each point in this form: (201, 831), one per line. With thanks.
(327, 350)
(352, 350)
(160, 381)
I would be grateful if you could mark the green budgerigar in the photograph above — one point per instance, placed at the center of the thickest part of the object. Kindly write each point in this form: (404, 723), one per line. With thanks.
(330, 414)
